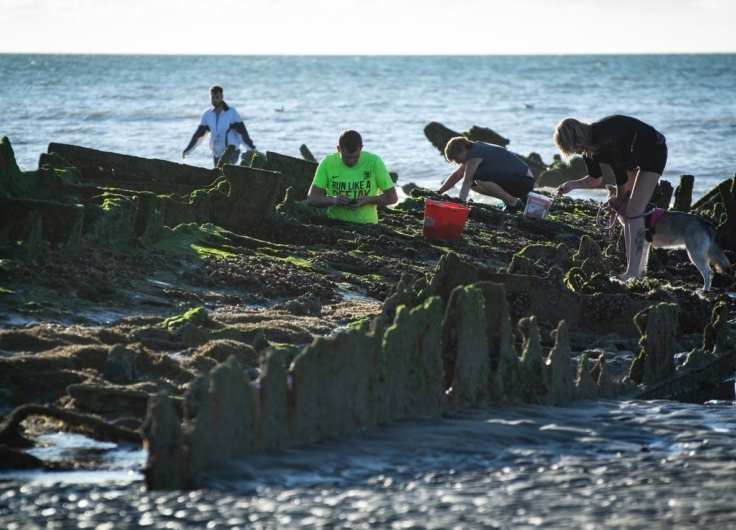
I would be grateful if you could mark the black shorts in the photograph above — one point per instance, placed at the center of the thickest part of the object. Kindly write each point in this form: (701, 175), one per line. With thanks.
(516, 185)
(650, 155)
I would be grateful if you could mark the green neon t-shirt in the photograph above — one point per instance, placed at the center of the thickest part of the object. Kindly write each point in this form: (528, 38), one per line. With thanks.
(368, 177)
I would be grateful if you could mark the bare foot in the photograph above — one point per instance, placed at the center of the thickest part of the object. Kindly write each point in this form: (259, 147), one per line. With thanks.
(625, 277)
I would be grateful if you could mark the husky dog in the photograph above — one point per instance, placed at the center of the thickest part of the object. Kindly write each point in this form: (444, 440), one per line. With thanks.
(683, 230)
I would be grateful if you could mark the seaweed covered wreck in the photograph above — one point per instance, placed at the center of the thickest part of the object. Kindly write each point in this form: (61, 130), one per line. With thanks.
(211, 314)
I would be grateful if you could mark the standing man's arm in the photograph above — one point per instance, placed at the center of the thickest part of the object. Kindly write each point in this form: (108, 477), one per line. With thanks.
(197, 138)
(239, 127)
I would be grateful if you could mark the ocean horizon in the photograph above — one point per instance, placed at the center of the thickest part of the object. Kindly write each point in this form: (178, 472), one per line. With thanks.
(149, 105)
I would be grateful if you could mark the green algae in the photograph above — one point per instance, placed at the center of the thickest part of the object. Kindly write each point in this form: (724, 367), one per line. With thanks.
(197, 316)
(410, 205)
(195, 241)
(257, 161)
(112, 222)
(559, 254)
(299, 262)
(209, 252)
(658, 326)
(362, 323)
(588, 249)
(42, 308)
(68, 174)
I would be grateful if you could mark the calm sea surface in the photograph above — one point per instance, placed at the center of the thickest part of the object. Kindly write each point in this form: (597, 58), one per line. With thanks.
(149, 106)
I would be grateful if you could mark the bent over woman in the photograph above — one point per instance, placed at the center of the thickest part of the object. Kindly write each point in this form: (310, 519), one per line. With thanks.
(488, 169)
(636, 152)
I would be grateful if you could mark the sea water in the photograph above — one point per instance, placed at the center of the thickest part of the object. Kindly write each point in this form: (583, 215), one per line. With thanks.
(592, 464)
(149, 106)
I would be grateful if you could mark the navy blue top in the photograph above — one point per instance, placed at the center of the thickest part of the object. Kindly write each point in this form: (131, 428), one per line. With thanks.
(497, 158)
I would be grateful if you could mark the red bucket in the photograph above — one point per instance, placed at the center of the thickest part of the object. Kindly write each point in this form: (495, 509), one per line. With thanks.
(444, 220)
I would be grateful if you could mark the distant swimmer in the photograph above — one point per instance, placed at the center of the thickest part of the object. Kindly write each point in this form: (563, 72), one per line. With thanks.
(352, 182)
(225, 127)
(488, 169)
(281, 109)
(636, 152)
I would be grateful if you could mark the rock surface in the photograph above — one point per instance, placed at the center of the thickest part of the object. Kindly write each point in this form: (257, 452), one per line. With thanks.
(249, 321)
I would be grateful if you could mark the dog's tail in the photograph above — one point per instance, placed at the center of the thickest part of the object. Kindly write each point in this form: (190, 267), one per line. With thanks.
(715, 254)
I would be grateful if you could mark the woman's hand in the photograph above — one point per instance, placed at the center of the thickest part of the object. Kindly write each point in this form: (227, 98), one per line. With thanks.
(586, 182)
(567, 187)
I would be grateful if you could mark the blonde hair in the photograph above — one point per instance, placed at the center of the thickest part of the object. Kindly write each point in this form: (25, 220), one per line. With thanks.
(574, 136)
(455, 145)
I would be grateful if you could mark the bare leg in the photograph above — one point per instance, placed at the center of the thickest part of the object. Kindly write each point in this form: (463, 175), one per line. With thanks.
(644, 185)
(644, 258)
(494, 190)
(627, 239)
(635, 249)
(621, 193)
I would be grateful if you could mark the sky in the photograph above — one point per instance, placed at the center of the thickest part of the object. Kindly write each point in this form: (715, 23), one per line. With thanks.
(367, 27)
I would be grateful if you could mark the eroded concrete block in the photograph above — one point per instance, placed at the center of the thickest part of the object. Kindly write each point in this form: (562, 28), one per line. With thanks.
(532, 363)
(607, 386)
(10, 174)
(716, 334)
(464, 339)
(296, 173)
(560, 380)
(684, 194)
(332, 382)
(233, 410)
(658, 327)
(109, 398)
(545, 298)
(275, 403)
(585, 386)
(219, 417)
(60, 224)
(119, 365)
(164, 440)
(254, 194)
(411, 375)
(114, 170)
(199, 425)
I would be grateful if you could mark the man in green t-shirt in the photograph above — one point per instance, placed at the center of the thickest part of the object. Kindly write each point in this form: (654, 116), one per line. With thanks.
(348, 182)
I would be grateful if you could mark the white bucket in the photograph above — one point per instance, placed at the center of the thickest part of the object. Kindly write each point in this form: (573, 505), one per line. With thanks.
(537, 206)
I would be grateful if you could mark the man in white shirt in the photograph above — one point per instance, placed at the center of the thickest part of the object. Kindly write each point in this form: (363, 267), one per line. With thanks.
(225, 127)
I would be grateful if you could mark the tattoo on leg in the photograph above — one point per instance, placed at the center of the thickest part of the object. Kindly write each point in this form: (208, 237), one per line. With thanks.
(639, 241)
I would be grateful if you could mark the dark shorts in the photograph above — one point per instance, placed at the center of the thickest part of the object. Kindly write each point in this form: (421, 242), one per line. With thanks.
(517, 184)
(650, 155)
